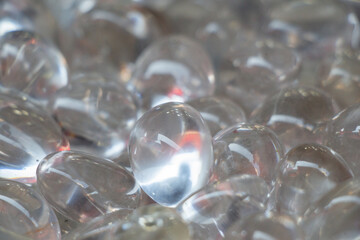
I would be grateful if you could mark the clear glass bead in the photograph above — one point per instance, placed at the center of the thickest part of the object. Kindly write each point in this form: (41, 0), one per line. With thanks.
(246, 149)
(28, 134)
(97, 116)
(295, 114)
(218, 113)
(212, 210)
(265, 226)
(82, 186)
(342, 135)
(173, 69)
(24, 212)
(171, 152)
(31, 65)
(306, 174)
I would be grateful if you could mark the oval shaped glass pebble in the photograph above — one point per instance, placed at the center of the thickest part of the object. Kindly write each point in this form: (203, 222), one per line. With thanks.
(265, 226)
(343, 136)
(31, 65)
(212, 210)
(171, 152)
(295, 114)
(151, 222)
(82, 186)
(97, 116)
(27, 135)
(246, 149)
(25, 214)
(173, 69)
(306, 174)
(218, 113)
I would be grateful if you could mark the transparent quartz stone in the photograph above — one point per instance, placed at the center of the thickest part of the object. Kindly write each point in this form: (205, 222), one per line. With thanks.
(343, 136)
(110, 32)
(171, 152)
(336, 215)
(82, 186)
(343, 81)
(25, 215)
(28, 134)
(31, 65)
(295, 115)
(27, 15)
(255, 68)
(246, 149)
(265, 226)
(218, 112)
(212, 210)
(173, 69)
(151, 222)
(306, 174)
(97, 116)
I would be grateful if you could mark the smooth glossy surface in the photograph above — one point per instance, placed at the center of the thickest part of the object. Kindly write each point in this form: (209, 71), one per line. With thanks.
(306, 174)
(246, 149)
(343, 136)
(255, 68)
(212, 210)
(146, 223)
(265, 226)
(294, 114)
(31, 65)
(175, 68)
(81, 186)
(27, 134)
(218, 113)
(171, 152)
(336, 215)
(24, 212)
(97, 116)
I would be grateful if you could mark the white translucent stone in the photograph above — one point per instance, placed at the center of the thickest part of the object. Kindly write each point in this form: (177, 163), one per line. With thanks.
(265, 226)
(342, 135)
(295, 114)
(27, 135)
(82, 186)
(173, 69)
(336, 215)
(246, 149)
(306, 174)
(97, 116)
(218, 113)
(171, 152)
(145, 223)
(255, 68)
(31, 65)
(213, 209)
(25, 215)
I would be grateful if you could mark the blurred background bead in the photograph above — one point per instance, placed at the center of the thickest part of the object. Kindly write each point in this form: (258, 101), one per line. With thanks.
(27, 134)
(25, 212)
(171, 152)
(96, 116)
(212, 210)
(218, 112)
(342, 135)
(255, 68)
(336, 215)
(31, 65)
(82, 186)
(246, 149)
(294, 114)
(265, 226)
(175, 68)
(306, 174)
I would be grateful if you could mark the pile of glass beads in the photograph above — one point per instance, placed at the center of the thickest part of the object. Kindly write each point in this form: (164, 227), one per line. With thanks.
(179, 119)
